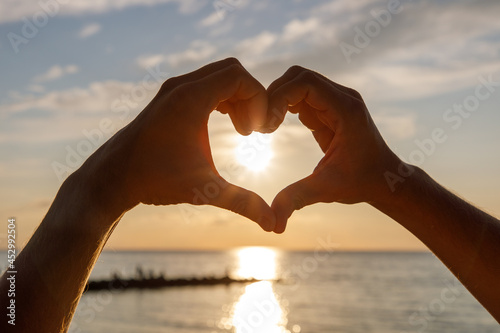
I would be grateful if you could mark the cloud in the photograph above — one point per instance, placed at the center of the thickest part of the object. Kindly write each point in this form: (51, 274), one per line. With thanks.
(400, 125)
(89, 30)
(222, 9)
(211, 19)
(190, 6)
(427, 49)
(258, 44)
(56, 72)
(36, 88)
(297, 29)
(341, 8)
(15, 10)
(54, 128)
(149, 61)
(254, 50)
(62, 115)
(198, 50)
(396, 82)
(228, 14)
(98, 97)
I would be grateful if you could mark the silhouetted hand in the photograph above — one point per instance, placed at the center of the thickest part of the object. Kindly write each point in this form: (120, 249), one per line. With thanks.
(163, 156)
(356, 155)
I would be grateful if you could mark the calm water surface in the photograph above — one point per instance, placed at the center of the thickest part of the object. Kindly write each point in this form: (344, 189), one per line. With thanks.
(319, 292)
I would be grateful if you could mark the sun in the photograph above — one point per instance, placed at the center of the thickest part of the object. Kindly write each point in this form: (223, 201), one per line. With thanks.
(254, 151)
(257, 262)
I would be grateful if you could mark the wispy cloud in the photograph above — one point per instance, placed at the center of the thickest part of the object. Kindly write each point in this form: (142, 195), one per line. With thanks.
(96, 98)
(417, 54)
(14, 10)
(211, 19)
(258, 44)
(398, 124)
(199, 50)
(297, 29)
(89, 30)
(148, 61)
(55, 72)
(36, 88)
(251, 51)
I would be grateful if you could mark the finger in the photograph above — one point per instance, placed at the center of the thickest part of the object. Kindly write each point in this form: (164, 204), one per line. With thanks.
(198, 74)
(234, 90)
(316, 90)
(324, 138)
(276, 116)
(245, 203)
(308, 116)
(295, 71)
(290, 74)
(239, 117)
(332, 104)
(303, 193)
(274, 119)
(321, 132)
(305, 87)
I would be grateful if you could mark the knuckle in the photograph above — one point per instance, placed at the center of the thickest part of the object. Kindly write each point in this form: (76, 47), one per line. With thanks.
(295, 69)
(294, 197)
(357, 105)
(232, 61)
(237, 70)
(240, 205)
(354, 93)
(169, 85)
(298, 202)
(307, 76)
(183, 93)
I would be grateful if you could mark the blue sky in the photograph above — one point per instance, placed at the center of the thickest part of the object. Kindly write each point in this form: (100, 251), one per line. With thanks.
(415, 64)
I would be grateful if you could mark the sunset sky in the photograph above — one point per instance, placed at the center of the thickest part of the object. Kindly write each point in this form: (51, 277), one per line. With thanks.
(423, 65)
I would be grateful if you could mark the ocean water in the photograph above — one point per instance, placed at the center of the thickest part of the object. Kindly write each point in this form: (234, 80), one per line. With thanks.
(316, 292)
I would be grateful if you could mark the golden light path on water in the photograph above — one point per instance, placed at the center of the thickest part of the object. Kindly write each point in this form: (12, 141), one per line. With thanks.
(258, 309)
(256, 262)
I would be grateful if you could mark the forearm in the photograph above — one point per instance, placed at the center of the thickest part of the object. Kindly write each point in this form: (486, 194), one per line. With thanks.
(54, 266)
(466, 239)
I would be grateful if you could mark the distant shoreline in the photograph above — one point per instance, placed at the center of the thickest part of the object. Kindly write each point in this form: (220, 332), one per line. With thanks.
(107, 251)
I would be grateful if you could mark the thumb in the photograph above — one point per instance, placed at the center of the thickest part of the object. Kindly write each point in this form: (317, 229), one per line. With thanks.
(245, 203)
(296, 196)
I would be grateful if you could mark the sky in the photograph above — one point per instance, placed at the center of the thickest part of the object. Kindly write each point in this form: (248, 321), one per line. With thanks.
(74, 72)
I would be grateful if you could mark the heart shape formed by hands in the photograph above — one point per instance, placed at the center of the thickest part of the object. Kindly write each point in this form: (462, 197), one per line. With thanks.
(356, 156)
(165, 156)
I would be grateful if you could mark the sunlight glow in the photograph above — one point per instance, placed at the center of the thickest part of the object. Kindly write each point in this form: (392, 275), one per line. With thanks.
(254, 151)
(259, 308)
(256, 262)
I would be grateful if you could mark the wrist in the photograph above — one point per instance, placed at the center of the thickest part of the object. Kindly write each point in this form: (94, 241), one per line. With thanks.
(102, 180)
(88, 199)
(396, 179)
(404, 184)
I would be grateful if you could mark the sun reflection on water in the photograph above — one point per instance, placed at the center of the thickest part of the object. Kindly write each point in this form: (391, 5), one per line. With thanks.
(259, 309)
(256, 262)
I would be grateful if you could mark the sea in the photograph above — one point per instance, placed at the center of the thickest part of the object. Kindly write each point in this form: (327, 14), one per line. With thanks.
(342, 292)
